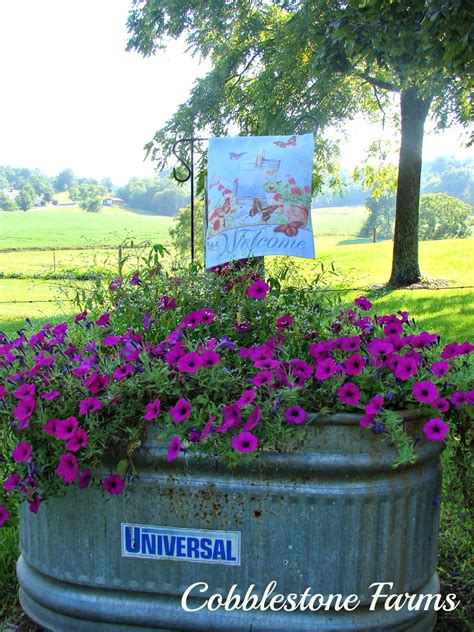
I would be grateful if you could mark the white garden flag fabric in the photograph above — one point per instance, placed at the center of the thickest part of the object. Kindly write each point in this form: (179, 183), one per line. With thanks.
(259, 197)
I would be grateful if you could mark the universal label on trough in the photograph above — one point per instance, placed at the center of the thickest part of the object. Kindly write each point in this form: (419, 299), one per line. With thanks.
(181, 545)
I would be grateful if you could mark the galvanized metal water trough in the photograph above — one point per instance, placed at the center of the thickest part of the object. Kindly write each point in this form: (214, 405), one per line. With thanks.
(336, 518)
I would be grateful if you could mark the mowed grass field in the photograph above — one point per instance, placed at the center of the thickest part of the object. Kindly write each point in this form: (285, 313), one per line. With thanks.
(359, 262)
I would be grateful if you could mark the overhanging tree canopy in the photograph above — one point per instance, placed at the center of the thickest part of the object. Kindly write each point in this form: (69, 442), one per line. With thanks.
(273, 62)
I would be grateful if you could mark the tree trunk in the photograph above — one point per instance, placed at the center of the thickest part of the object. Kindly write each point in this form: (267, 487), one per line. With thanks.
(405, 268)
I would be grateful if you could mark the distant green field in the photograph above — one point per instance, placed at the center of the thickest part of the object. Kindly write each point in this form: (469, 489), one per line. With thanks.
(338, 220)
(70, 226)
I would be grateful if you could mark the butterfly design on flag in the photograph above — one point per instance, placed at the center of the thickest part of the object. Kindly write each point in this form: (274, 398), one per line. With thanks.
(290, 229)
(265, 211)
(234, 156)
(291, 142)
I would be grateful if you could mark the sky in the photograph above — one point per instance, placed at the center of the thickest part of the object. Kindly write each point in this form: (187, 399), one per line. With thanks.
(72, 97)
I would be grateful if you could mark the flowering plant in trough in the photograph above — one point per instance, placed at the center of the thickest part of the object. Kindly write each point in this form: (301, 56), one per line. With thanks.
(224, 364)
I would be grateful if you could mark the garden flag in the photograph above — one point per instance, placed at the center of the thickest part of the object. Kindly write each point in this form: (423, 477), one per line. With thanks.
(259, 197)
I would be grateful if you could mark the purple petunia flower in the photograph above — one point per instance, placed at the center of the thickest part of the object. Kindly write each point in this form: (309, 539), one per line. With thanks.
(4, 515)
(284, 322)
(441, 404)
(440, 368)
(96, 383)
(435, 429)
(226, 343)
(89, 405)
(135, 280)
(374, 405)
(459, 399)
(166, 303)
(174, 448)
(85, 478)
(349, 394)
(263, 378)
(246, 398)
(325, 369)
(68, 468)
(122, 371)
(114, 484)
(78, 441)
(210, 358)
(189, 363)
(24, 410)
(180, 411)
(3, 392)
(253, 419)
(363, 303)
(245, 442)
(354, 365)
(406, 367)
(152, 410)
(50, 395)
(80, 317)
(295, 415)
(258, 289)
(366, 421)
(12, 482)
(207, 428)
(66, 428)
(115, 284)
(103, 320)
(51, 427)
(26, 390)
(22, 452)
(232, 414)
(425, 392)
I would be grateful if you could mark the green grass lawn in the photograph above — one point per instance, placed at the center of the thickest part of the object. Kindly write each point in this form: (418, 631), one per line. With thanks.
(70, 226)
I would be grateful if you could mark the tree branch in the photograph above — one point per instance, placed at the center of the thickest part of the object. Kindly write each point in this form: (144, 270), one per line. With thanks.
(378, 83)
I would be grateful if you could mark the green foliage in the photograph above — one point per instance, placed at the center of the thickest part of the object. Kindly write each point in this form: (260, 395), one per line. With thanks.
(180, 233)
(26, 197)
(443, 217)
(88, 196)
(7, 204)
(381, 217)
(451, 176)
(64, 181)
(161, 196)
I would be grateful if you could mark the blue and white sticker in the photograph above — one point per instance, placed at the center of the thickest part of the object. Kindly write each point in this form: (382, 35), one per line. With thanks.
(181, 545)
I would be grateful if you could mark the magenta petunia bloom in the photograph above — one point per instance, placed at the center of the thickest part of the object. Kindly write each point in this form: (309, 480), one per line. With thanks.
(246, 398)
(85, 478)
(114, 484)
(12, 482)
(26, 390)
(4, 515)
(379, 347)
(354, 365)
(374, 405)
(78, 441)
(258, 289)
(122, 371)
(232, 414)
(325, 369)
(207, 428)
(435, 429)
(152, 410)
(406, 367)
(22, 452)
(103, 320)
(351, 343)
(80, 317)
(180, 411)
(284, 322)
(68, 469)
(450, 351)
(459, 399)
(174, 448)
(96, 383)
(189, 363)
(295, 415)
(441, 404)
(192, 320)
(135, 280)
(210, 358)
(166, 303)
(34, 505)
(3, 392)
(394, 328)
(89, 405)
(267, 365)
(423, 340)
(366, 421)
(51, 427)
(115, 284)
(66, 428)
(176, 352)
(245, 442)
(440, 368)
(50, 395)
(349, 394)
(363, 303)
(207, 316)
(425, 392)
(263, 378)
(253, 419)
(24, 410)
